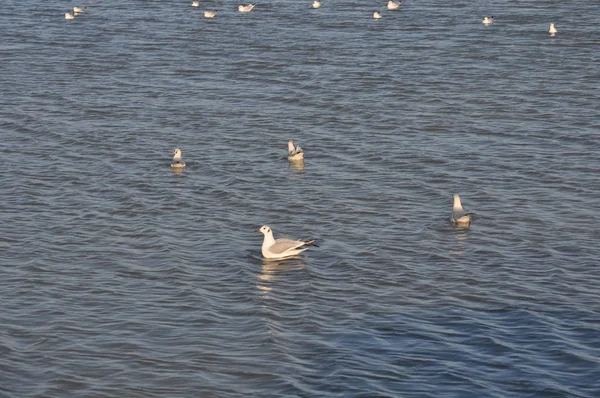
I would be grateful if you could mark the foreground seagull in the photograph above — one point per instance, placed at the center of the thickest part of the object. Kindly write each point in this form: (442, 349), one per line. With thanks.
(248, 8)
(210, 14)
(488, 20)
(68, 15)
(316, 4)
(394, 5)
(377, 15)
(281, 248)
(177, 162)
(552, 29)
(459, 216)
(294, 152)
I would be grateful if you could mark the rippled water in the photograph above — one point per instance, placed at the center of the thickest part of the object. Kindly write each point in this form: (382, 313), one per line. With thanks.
(122, 278)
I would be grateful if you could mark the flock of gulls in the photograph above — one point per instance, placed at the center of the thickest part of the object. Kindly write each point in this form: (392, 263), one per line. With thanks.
(277, 249)
(282, 248)
(391, 5)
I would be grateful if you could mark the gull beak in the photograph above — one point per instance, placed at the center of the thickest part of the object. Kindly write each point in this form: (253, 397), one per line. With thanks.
(257, 230)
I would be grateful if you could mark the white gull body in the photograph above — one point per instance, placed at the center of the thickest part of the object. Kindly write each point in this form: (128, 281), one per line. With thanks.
(78, 9)
(195, 4)
(488, 20)
(246, 8)
(552, 29)
(459, 216)
(210, 14)
(68, 15)
(281, 248)
(394, 5)
(376, 15)
(294, 152)
(316, 4)
(177, 162)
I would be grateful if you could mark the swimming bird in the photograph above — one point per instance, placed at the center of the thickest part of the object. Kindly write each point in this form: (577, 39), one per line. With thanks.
(78, 9)
(280, 248)
(488, 20)
(177, 162)
(391, 5)
(459, 216)
(316, 4)
(376, 15)
(247, 8)
(68, 15)
(195, 4)
(552, 29)
(294, 152)
(210, 14)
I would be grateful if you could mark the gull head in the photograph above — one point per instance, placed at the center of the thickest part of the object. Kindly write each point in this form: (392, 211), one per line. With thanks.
(457, 205)
(176, 153)
(265, 229)
(291, 147)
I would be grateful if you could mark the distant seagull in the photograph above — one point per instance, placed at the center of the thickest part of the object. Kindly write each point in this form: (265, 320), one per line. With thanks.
(68, 15)
(377, 15)
(459, 216)
(488, 20)
(210, 14)
(394, 5)
(195, 4)
(552, 30)
(294, 152)
(177, 162)
(281, 248)
(247, 8)
(316, 4)
(79, 9)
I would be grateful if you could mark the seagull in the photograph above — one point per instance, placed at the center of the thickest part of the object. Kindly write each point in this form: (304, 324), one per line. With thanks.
(459, 216)
(394, 5)
(488, 20)
(210, 14)
(195, 4)
(552, 30)
(79, 9)
(376, 15)
(177, 162)
(316, 4)
(248, 8)
(68, 15)
(280, 248)
(294, 152)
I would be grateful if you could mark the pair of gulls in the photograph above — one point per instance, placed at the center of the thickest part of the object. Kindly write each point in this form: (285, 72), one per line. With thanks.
(276, 249)
(212, 14)
(391, 5)
(76, 11)
(488, 20)
(295, 153)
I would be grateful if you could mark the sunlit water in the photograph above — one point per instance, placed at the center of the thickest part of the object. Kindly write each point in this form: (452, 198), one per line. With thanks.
(121, 278)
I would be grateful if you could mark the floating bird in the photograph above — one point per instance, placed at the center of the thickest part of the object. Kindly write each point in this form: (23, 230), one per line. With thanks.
(459, 216)
(391, 5)
(210, 14)
(177, 162)
(247, 8)
(280, 248)
(294, 152)
(488, 20)
(68, 15)
(377, 15)
(552, 29)
(316, 4)
(79, 9)
(195, 4)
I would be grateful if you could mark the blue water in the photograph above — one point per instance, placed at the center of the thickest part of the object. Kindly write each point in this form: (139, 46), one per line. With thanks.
(122, 278)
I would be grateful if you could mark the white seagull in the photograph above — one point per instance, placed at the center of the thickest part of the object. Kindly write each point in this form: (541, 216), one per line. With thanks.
(195, 3)
(177, 162)
(391, 5)
(294, 152)
(316, 4)
(459, 216)
(488, 20)
(248, 8)
(68, 15)
(78, 9)
(552, 29)
(376, 15)
(210, 14)
(280, 248)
